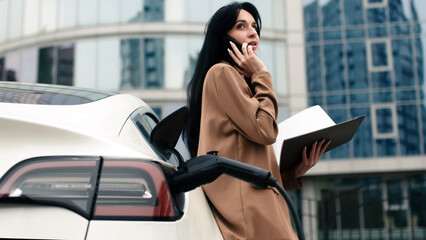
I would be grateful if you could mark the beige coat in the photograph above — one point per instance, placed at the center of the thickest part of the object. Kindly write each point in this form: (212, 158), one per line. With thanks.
(242, 127)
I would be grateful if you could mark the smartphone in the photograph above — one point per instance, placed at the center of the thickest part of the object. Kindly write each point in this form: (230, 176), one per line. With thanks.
(238, 44)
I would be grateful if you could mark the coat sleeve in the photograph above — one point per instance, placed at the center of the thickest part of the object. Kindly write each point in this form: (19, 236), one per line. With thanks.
(253, 116)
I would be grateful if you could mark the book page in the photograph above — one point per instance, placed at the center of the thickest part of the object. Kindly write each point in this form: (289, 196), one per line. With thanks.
(308, 120)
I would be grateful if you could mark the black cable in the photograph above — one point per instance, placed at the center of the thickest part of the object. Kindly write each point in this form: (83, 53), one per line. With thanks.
(274, 183)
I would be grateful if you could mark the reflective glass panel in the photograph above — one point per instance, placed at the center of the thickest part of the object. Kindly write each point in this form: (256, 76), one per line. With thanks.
(381, 79)
(67, 13)
(65, 65)
(13, 69)
(281, 81)
(384, 120)
(176, 61)
(130, 52)
(332, 35)
(1, 69)
(153, 58)
(336, 99)
(386, 147)
(379, 54)
(196, 11)
(383, 97)
(85, 64)
(315, 100)
(399, 11)
(357, 65)
(3, 19)
(87, 12)
(45, 65)
(31, 16)
(408, 129)
(353, 12)
(354, 33)
(29, 61)
(153, 11)
(334, 67)
(15, 18)
(420, 47)
(363, 139)
(109, 11)
(400, 29)
(376, 15)
(330, 13)
(109, 64)
(131, 11)
(310, 10)
(359, 98)
(313, 68)
(48, 15)
(402, 96)
(403, 62)
(377, 32)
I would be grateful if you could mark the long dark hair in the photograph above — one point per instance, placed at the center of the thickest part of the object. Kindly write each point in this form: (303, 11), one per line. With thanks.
(214, 50)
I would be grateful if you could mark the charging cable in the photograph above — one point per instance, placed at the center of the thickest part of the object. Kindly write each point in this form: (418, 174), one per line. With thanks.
(206, 168)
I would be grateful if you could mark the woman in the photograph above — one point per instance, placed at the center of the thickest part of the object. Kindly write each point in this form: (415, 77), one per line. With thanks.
(233, 110)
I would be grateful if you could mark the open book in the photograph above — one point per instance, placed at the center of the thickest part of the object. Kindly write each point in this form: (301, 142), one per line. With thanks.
(306, 127)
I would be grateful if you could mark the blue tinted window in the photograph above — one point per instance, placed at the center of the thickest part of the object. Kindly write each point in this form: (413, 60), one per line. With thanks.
(403, 62)
(406, 95)
(315, 100)
(362, 140)
(379, 54)
(408, 129)
(330, 13)
(353, 12)
(336, 99)
(354, 33)
(1, 68)
(332, 35)
(360, 98)
(377, 32)
(386, 147)
(334, 67)
(381, 79)
(383, 97)
(399, 11)
(384, 120)
(311, 15)
(376, 15)
(313, 69)
(357, 65)
(400, 29)
(312, 36)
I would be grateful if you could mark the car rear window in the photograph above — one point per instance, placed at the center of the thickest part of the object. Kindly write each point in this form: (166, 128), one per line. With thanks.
(48, 94)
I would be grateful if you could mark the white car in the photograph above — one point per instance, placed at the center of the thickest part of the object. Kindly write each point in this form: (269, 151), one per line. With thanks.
(87, 164)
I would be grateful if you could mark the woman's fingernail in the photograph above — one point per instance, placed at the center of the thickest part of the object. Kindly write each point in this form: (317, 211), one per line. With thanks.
(230, 42)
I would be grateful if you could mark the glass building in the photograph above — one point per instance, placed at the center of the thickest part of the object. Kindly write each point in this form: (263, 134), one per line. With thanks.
(366, 57)
(351, 57)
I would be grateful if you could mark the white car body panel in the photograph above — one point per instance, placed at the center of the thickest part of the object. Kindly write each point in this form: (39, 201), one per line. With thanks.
(91, 129)
(40, 222)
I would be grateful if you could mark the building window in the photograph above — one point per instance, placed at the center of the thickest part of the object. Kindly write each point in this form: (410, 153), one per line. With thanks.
(56, 65)
(375, 3)
(1, 68)
(384, 121)
(379, 55)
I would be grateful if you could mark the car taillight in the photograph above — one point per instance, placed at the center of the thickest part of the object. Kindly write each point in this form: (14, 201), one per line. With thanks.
(133, 189)
(123, 189)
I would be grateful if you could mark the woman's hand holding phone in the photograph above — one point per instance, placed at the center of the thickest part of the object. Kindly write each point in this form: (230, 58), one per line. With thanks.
(247, 60)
